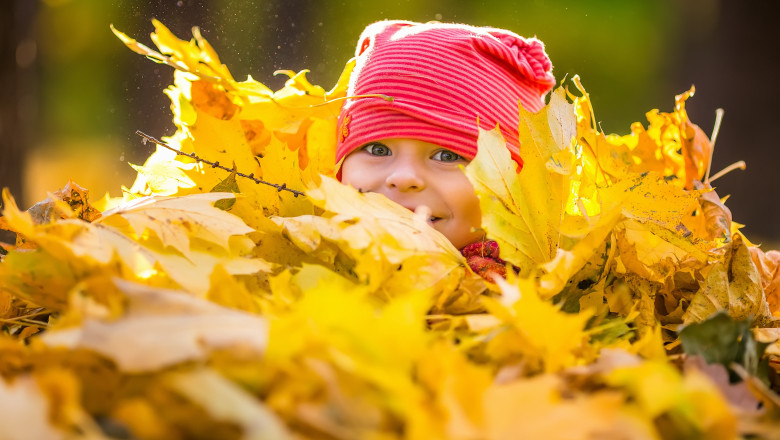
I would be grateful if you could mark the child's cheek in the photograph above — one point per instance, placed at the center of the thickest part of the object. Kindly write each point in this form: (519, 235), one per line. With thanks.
(350, 172)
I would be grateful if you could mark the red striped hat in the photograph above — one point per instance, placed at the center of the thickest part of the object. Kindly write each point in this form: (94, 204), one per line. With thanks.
(442, 81)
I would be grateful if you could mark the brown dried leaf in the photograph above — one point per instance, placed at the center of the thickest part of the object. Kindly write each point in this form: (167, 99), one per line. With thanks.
(734, 285)
(768, 265)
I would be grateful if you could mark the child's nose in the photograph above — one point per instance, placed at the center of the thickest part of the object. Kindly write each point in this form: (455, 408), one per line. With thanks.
(405, 178)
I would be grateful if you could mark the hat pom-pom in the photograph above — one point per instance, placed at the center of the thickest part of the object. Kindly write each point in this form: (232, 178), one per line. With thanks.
(525, 55)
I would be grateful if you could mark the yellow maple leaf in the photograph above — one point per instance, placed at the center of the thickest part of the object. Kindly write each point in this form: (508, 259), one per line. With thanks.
(523, 212)
(280, 164)
(398, 223)
(285, 137)
(161, 175)
(98, 243)
(384, 243)
(567, 263)
(645, 218)
(538, 332)
(652, 252)
(177, 220)
(671, 145)
(196, 56)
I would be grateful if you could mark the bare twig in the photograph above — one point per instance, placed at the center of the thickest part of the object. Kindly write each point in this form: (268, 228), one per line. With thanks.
(39, 312)
(251, 176)
(34, 323)
(27, 322)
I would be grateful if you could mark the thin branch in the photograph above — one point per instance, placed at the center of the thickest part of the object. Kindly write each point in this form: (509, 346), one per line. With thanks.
(279, 188)
(33, 323)
(30, 315)
(27, 322)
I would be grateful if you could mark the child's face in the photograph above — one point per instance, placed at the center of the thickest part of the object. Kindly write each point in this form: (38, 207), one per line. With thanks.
(419, 176)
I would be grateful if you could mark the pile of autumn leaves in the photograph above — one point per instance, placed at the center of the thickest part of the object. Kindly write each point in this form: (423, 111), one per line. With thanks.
(205, 305)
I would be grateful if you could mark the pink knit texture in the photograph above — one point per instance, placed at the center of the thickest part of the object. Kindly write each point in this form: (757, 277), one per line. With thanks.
(445, 81)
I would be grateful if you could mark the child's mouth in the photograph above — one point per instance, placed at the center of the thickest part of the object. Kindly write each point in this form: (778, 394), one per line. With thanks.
(423, 211)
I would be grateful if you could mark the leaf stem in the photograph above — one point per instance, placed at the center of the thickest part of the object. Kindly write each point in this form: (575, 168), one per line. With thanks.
(718, 119)
(578, 83)
(740, 164)
(279, 188)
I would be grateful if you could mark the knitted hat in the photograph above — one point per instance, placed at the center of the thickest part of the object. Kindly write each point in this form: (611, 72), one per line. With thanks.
(441, 82)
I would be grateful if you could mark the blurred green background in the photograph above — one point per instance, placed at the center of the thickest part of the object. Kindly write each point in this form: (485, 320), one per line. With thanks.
(72, 95)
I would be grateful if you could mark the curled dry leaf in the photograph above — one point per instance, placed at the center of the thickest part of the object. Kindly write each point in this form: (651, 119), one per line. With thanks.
(696, 146)
(768, 266)
(734, 286)
(74, 196)
(715, 215)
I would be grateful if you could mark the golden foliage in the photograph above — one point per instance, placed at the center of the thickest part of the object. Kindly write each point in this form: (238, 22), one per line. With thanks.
(201, 305)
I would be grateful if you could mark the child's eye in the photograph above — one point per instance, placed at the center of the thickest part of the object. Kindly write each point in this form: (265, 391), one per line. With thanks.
(447, 156)
(376, 149)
